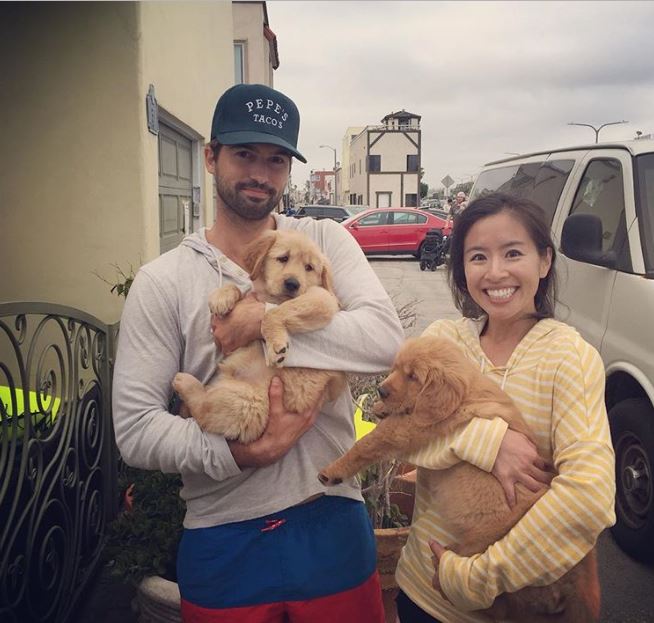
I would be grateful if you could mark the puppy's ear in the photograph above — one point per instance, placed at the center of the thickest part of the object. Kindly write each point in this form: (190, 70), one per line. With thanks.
(327, 277)
(442, 392)
(256, 252)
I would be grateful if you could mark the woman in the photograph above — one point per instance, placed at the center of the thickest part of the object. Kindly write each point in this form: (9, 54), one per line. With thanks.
(502, 277)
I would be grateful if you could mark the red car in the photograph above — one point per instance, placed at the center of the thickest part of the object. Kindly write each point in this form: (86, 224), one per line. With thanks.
(394, 231)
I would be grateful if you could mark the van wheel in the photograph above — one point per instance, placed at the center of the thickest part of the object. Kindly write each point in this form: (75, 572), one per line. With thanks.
(632, 432)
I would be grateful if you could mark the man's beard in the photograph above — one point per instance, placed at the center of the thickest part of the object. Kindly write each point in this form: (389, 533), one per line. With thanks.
(247, 209)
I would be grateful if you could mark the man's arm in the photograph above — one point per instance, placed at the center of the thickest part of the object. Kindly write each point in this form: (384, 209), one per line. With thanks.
(149, 355)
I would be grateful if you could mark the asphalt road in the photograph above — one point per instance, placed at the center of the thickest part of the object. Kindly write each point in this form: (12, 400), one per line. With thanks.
(627, 586)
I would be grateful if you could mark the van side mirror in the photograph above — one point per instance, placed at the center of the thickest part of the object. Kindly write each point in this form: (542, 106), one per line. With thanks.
(581, 240)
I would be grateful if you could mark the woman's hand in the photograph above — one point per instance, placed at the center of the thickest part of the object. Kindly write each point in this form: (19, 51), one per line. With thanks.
(437, 550)
(518, 461)
(240, 327)
(282, 432)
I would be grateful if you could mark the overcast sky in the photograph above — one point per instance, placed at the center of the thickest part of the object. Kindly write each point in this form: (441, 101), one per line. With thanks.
(486, 77)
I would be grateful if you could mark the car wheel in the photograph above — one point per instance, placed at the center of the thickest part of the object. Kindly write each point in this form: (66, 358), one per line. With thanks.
(632, 432)
(418, 252)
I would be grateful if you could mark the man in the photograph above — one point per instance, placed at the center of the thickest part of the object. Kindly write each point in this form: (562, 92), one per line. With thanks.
(264, 541)
(459, 204)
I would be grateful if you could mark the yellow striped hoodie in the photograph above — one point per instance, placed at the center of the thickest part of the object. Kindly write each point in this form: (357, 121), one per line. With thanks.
(556, 379)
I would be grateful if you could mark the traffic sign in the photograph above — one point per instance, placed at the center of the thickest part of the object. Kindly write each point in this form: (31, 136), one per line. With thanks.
(447, 181)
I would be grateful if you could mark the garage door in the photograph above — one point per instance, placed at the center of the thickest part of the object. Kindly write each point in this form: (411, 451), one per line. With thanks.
(175, 187)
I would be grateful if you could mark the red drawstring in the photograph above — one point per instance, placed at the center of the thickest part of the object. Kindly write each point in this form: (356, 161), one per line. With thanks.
(271, 524)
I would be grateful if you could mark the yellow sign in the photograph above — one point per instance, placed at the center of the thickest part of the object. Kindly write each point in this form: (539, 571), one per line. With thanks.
(361, 426)
(6, 398)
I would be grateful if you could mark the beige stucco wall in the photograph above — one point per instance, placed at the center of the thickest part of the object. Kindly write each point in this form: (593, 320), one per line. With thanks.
(397, 184)
(188, 78)
(248, 27)
(69, 158)
(394, 147)
(78, 168)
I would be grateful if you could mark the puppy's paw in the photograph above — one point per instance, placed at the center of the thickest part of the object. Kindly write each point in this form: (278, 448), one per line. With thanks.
(277, 350)
(185, 384)
(329, 481)
(223, 300)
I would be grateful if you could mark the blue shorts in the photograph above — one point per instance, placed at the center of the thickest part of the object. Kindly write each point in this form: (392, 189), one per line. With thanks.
(313, 562)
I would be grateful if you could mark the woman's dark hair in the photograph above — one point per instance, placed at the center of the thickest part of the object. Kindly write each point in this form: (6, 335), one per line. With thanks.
(533, 220)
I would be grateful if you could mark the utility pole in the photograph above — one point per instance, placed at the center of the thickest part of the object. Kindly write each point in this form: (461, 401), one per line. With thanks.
(335, 185)
(597, 130)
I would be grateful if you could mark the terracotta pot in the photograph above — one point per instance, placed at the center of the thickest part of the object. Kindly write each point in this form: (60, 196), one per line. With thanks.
(159, 601)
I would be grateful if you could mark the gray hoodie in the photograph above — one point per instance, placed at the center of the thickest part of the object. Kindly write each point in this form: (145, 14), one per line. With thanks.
(165, 328)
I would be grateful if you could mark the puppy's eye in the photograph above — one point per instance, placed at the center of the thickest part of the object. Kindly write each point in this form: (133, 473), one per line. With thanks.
(412, 376)
(283, 259)
(308, 268)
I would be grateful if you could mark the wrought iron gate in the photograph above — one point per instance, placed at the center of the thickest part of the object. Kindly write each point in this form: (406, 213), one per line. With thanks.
(57, 457)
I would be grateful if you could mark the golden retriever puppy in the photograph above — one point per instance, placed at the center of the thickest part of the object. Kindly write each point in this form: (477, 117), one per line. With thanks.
(288, 269)
(431, 390)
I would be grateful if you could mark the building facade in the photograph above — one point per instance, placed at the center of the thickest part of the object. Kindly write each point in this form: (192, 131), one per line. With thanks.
(321, 187)
(108, 106)
(383, 162)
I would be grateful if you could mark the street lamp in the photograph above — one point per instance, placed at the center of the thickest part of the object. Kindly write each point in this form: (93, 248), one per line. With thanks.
(335, 183)
(597, 130)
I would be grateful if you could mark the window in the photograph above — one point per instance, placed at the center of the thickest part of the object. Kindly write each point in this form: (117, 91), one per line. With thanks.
(239, 62)
(541, 182)
(601, 192)
(412, 162)
(411, 200)
(405, 218)
(374, 164)
(379, 218)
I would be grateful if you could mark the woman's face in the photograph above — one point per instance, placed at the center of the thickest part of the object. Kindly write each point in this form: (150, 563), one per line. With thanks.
(503, 267)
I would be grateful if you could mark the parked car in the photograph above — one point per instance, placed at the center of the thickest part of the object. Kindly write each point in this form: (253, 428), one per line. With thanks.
(336, 213)
(439, 212)
(393, 231)
(599, 200)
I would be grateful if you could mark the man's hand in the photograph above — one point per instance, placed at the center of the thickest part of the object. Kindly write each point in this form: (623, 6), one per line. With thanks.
(240, 327)
(518, 461)
(282, 432)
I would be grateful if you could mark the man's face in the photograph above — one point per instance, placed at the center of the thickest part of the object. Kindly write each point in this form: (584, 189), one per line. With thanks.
(250, 179)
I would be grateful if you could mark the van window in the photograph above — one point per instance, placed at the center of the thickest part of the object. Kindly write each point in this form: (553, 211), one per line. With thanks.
(644, 168)
(542, 182)
(601, 192)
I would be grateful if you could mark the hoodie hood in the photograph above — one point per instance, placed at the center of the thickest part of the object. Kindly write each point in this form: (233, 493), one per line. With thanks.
(197, 241)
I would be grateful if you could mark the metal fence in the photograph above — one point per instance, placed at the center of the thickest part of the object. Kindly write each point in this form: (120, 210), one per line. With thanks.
(57, 457)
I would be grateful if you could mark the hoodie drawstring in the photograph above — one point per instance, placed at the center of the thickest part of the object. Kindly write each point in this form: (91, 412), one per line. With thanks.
(506, 371)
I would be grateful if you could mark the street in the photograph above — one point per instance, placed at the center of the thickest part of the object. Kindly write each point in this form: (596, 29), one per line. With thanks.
(627, 586)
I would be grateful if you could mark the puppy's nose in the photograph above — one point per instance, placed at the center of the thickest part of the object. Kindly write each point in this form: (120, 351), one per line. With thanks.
(291, 284)
(383, 392)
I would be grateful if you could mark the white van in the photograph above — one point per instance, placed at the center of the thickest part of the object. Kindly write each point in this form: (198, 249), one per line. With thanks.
(600, 203)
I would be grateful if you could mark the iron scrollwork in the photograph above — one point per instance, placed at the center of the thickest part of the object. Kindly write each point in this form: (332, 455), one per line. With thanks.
(57, 458)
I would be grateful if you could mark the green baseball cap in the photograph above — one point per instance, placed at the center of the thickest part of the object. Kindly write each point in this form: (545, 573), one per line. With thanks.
(255, 113)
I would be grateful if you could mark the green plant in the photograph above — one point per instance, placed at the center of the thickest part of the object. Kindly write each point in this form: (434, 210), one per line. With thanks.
(143, 540)
(123, 281)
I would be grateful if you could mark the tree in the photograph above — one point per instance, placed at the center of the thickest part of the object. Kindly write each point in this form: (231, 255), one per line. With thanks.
(424, 187)
(424, 190)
